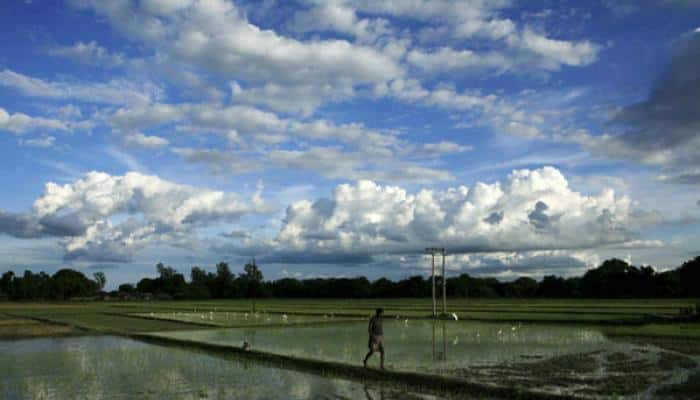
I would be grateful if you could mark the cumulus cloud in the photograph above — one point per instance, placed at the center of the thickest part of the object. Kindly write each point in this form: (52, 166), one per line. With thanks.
(102, 217)
(29, 226)
(531, 210)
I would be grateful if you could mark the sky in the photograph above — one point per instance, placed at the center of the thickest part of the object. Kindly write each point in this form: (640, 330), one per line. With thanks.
(341, 138)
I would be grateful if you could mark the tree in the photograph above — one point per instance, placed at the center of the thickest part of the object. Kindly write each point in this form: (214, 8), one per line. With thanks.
(523, 287)
(612, 279)
(169, 282)
(166, 273)
(690, 277)
(6, 281)
(200, 283)
(126, 288)
(6, 285)
(101, 279)
(252, 276)
(553, 287)
(67, 283)
(224, 281)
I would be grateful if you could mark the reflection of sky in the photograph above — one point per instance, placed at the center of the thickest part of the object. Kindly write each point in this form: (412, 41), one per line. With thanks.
(110, 367)
(415, 345)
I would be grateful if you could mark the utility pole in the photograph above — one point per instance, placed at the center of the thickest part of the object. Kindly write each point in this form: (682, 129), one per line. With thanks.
(444, 284)
(432, 251)
(433, 277)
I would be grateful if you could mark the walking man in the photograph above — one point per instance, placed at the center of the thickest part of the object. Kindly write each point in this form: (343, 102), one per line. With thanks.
(376, 337)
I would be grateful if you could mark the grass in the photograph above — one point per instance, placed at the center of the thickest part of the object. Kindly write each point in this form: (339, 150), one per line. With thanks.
(22, 328)
(657, 330)
(92, 317)
(617, 317)
(618, 311)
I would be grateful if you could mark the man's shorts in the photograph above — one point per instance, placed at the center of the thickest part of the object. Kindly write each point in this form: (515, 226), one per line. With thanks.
(376, 342)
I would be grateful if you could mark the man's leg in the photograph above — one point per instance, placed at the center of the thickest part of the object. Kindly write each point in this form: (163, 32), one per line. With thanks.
(369, 354)
(381, 356)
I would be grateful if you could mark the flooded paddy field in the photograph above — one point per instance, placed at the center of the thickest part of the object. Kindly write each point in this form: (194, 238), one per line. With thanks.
(108, 367)
(555, 359)
(417, 344)
(561, 354)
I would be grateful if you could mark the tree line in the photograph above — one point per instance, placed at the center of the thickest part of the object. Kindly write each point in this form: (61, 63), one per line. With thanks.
(63, 285)
(614, 278)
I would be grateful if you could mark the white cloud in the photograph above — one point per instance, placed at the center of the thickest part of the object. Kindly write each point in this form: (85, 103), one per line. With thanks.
(215, 36)
(554, 53)
(208, 43)
(447, 59)
(513, 48)
(114, 92)
(115, 216)
(41, 142)
(89, 53)
(522, 52)
(301, 99)
(19, 123)
(445, 147)
(138, 139)
(255, 138)
(337, 16)
(532, 210)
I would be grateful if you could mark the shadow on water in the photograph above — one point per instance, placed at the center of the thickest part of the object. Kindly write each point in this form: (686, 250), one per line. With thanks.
(439, 352)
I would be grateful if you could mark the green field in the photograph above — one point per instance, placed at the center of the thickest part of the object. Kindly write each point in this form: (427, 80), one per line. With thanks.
(614, 317)
(499, 348)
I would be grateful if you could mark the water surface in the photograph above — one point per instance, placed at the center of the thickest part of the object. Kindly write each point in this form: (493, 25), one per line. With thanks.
(418, 345)
(116, 368)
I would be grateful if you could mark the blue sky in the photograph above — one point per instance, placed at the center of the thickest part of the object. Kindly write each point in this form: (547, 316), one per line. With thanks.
(339, 138)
